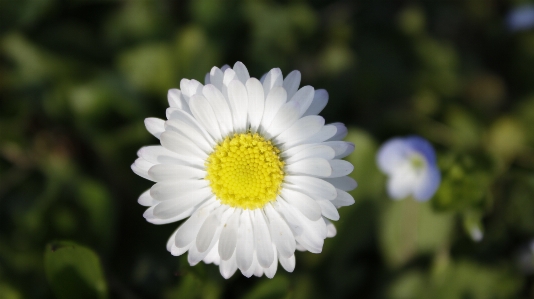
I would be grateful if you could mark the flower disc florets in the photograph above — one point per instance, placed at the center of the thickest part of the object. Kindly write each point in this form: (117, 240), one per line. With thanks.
(245, 171)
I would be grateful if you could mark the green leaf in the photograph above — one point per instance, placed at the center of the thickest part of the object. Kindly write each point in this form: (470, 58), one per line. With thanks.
(410, 228)
(74, 271)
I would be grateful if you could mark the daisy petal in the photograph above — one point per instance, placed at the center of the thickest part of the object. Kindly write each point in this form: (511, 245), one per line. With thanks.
(176, 189)
(219, 104)
(262, 239)
(291, 83)
(273, 79)
(328, 210)
(317, 167)
(182, 146)
(173, 172)
(275, 99)
(271, 270)
(340, 168)
(205, 115)
(287, 115)
(155, 126)
(302, 202)
(314, 187)
(288, 263)
(238, 98)
(344, 183)
(311, 151)
(228, 267)
(320, 99)
(281, 233)
(256, 103)
(207, 232)
(343, 199)
(141, 167)
(228, 239)
(146, 199)
(241, 71)
(304, 97)
(216, 77)
(301, 130)
(188, 231)
(245, 242)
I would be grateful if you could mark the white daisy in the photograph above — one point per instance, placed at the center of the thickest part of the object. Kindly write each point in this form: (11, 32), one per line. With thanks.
(411, 165)
(251, 165)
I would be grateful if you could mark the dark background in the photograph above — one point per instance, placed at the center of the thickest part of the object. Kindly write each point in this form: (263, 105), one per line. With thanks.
(77, 78)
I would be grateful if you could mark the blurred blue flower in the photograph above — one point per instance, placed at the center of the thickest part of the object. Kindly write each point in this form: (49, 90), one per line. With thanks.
(410, 163)
(520, 18)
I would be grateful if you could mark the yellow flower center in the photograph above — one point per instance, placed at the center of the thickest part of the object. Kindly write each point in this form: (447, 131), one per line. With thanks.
(245, 171)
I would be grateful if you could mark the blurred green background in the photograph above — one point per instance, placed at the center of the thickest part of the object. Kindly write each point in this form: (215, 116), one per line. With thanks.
(77, 78)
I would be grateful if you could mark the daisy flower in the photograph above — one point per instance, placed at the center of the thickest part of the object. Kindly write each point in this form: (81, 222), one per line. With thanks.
(251, 165)
(411, 166)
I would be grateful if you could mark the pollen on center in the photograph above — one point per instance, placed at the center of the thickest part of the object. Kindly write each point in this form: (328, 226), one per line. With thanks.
(245, 171)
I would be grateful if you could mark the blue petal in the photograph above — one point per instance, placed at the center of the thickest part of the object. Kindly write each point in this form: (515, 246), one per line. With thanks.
(423, 147)
(428, 185)
(391, 154)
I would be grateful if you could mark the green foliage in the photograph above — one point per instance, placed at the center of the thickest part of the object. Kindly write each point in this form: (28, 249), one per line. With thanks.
(74, 271)
(77, 78)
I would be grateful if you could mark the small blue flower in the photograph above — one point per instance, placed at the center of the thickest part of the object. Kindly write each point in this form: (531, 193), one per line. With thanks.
(410, 164)
(520, 18)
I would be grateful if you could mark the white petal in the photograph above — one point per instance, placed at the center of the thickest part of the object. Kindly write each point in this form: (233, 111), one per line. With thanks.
(271, 270)
(207, 79)
(340, 168)
(245, 242)
(229, 76)
(176, 100)
(256, 103)
(190, 133)
(188, 231)
(317, 167)
(238, 98)
(177, 251)
(331, 229)
(176, 189)
(343, 199)
(241, 71)
(344, 183)
(205, 115)
(262, 239)
(157, 154)
(155, 126)
(281, 233)
(287, 115)
(141, 167)
(313, 232)
(216, 77)
(325, 133)
(171, 208)
(291, 83)
(304, 97)
(311, 151)
(280, 206)
(275, 99)
(301, 130)
(190, 87)
(341, 132)
(177, 114)
(320, 99)
(314, 187)
(221, 108)
(174, 172)
(150, 217)
(273, 79)
(228, 267)
(253, 265)
(146, 199)
(225, 67)
(170, 241)
(328, 209)
(288, 263)
(182, 146)
(402, 182)
(213, 255)
(302, 202)
(340, 147)
(207, 232)
(228, 239)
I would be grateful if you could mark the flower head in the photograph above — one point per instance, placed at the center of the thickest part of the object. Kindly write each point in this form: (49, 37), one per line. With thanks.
(252, 167)
(411, 166)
